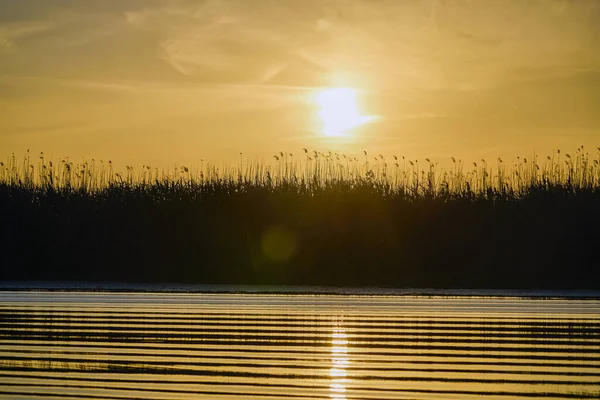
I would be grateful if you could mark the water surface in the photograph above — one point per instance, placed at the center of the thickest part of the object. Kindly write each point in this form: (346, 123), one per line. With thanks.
(148, 345)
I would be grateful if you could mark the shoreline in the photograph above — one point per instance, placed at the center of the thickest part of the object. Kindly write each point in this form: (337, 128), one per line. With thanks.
(291, 290)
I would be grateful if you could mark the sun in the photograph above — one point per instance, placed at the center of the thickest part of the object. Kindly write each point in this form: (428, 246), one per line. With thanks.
(339, 112)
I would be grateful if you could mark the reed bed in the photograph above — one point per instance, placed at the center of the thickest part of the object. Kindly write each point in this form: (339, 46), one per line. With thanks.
(313, 219)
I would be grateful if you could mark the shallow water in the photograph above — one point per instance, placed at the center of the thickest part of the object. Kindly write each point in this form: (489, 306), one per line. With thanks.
(119, 345)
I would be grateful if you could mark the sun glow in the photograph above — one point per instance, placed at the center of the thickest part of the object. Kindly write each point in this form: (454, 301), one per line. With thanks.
(339, 111)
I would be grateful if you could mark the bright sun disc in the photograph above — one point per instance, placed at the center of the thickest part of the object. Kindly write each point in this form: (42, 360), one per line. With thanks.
(339, 111)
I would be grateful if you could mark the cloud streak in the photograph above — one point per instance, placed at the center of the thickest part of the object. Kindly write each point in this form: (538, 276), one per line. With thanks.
(11, 33)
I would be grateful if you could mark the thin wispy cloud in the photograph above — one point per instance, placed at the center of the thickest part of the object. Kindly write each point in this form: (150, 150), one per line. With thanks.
(428, 45)
(12, 32)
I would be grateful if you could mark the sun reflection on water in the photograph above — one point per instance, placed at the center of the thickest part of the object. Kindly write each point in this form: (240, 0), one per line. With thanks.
(339, 362)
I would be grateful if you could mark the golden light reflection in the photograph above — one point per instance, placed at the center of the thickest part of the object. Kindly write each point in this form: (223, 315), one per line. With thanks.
(339, 363)
(339, 111)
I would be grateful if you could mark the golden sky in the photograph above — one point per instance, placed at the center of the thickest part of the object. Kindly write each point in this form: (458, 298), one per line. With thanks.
(173, 81)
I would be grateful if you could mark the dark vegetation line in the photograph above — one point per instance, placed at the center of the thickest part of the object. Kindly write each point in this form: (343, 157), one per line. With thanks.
(324, 219)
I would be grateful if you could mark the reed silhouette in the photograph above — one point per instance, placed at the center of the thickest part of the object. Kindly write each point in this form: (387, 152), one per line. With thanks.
(317, 219)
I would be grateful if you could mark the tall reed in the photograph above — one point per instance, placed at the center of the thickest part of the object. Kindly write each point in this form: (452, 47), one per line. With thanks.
(314, 172)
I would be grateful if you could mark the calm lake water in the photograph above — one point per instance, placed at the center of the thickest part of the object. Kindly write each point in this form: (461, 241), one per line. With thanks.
(122, 345)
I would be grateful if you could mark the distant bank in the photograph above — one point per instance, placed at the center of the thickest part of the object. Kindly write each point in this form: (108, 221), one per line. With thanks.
(543, 241)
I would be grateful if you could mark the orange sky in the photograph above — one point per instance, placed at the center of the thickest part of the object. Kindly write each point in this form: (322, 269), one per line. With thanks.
(176, 81)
